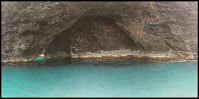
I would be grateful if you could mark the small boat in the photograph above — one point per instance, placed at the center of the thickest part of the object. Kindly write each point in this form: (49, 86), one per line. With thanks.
(41, 56)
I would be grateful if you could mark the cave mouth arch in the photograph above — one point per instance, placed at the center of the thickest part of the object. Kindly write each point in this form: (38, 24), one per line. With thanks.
(90, 34)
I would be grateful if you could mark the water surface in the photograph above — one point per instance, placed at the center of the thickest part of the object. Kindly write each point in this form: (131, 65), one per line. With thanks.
(100, 78)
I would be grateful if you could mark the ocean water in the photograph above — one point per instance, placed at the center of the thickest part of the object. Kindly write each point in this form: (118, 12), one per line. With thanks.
(100, 78)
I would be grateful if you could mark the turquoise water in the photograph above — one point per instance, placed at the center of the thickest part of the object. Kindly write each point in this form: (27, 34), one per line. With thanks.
(100, 78)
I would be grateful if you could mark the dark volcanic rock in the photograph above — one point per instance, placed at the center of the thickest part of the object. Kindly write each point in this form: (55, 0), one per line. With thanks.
(62, 28)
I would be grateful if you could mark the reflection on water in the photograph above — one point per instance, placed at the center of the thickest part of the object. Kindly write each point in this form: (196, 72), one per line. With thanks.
(100, 78)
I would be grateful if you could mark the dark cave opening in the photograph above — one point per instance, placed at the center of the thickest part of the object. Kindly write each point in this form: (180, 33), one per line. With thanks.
(90, 34)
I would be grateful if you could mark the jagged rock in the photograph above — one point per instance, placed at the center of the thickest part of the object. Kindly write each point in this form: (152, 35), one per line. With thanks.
(63, 28)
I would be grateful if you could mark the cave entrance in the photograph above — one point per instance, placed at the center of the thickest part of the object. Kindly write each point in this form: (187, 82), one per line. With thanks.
(90, 34)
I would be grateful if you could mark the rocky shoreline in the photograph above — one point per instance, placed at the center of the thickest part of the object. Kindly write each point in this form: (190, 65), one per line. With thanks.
(137, 54)
(121, 54)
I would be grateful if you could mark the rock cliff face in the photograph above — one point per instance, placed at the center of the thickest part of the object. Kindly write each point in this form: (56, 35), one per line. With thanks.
(154, 30)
